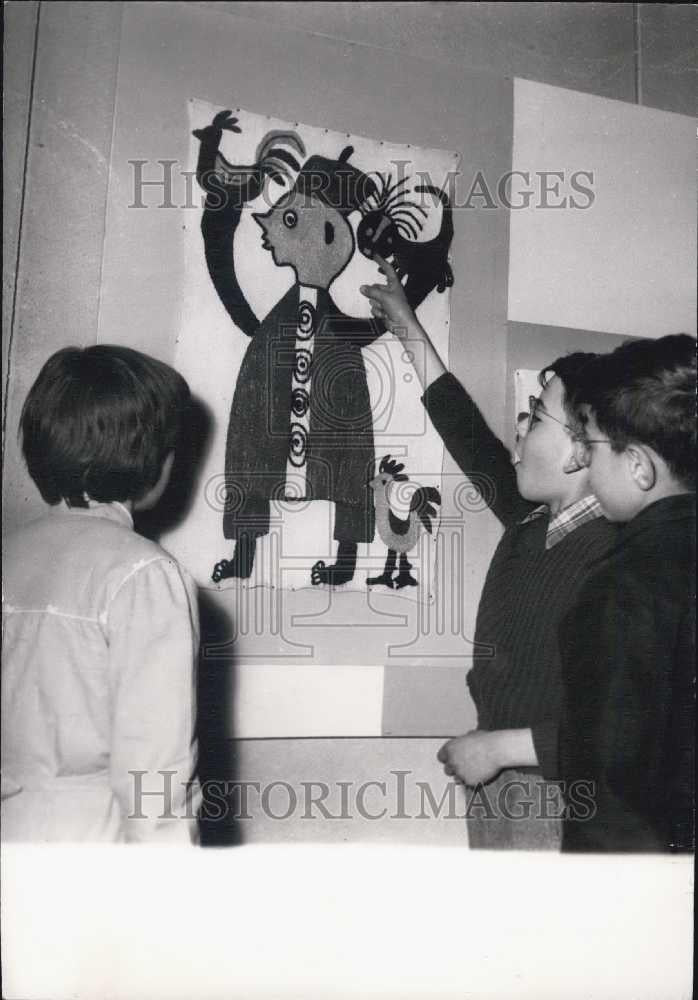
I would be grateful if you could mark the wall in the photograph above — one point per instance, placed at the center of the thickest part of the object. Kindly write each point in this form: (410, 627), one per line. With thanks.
(71, 74)
(622, 260)
(433, 74)
(63, 138)
(334, 83)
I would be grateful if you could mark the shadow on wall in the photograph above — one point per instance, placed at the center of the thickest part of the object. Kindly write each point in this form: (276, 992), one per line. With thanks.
(215, 681)
(179, 496)
(218, 758)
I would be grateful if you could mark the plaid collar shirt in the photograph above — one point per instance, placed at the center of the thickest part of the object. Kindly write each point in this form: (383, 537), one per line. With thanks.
(568, 520)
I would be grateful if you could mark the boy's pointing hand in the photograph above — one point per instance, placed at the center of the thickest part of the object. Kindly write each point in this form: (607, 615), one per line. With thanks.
(388, 302)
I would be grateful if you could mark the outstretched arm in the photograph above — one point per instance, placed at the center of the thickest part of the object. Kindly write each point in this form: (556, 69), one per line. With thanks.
(476, 450)
(389, 305)
(407, 327)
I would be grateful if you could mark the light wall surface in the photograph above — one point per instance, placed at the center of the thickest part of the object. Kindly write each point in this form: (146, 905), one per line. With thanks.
(603, 234)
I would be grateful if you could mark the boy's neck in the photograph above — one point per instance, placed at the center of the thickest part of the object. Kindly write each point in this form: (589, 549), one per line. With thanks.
(661, 491)
(559, 503)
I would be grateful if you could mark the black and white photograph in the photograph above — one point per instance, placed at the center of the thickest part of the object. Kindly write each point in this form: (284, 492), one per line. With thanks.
(349, 437)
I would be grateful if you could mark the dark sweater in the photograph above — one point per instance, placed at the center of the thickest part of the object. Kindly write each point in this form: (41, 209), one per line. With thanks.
(528, 589)
(628, 660)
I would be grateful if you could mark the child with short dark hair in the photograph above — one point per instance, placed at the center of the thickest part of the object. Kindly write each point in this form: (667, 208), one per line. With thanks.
(100, 626)
(554, 533)
(628, 647)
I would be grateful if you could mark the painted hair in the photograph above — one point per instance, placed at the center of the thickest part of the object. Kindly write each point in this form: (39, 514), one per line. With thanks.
(99, 422)
(645, 391)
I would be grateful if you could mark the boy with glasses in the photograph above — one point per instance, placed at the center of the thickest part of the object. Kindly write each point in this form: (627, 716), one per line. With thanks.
(628, 647)
(554, 533)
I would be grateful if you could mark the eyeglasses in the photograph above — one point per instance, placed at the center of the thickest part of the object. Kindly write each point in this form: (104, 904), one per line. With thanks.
(536, 408)
(580, 441)
(583, 448)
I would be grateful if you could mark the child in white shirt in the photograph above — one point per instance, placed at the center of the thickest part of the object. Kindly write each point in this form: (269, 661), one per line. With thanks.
(100, 625)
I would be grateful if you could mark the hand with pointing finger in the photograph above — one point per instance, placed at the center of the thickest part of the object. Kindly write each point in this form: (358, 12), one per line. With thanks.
(389, 303)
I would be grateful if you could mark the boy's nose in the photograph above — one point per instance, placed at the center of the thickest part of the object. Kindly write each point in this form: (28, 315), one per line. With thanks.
(260, 220)
(517, 455)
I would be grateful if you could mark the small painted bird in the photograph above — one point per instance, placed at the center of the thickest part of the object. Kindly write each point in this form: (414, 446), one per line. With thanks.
(400, 535)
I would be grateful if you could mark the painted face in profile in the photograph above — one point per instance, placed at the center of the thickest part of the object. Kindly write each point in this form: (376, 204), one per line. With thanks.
(304, 233)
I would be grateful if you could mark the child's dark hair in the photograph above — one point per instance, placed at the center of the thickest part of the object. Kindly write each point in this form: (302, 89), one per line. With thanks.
(99, 421)
(568, 369)
(645, 391)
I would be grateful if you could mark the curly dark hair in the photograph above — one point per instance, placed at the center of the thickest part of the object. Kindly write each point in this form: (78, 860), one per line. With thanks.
(99, 422)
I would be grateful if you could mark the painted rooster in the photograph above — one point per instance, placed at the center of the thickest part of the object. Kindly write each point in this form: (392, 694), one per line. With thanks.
(398, 534)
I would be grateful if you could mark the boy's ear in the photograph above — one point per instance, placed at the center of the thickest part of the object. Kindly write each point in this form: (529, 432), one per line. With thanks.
(573, 462)
(643, 470)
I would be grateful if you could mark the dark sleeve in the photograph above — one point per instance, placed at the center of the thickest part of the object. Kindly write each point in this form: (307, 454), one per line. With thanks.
(682, 726)
(545, 740)
(621, 671)
(476, 450)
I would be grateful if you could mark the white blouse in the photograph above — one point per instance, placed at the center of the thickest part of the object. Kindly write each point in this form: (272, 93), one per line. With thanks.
(100, 641)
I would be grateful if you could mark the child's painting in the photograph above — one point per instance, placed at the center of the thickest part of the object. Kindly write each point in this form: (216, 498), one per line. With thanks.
(324, 470)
